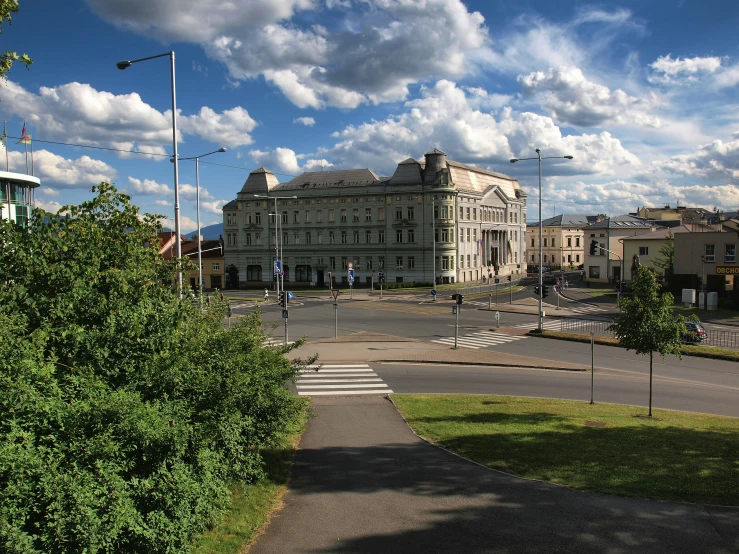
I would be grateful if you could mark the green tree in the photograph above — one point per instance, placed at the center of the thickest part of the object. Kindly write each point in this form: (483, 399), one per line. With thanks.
(125, 412)
(646, 323)
(7, 9)
(667, 260)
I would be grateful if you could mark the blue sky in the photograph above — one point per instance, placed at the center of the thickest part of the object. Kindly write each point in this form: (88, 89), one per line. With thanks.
(642, 94)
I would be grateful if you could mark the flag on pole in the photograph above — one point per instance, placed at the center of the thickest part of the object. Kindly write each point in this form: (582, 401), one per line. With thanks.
(25, 137)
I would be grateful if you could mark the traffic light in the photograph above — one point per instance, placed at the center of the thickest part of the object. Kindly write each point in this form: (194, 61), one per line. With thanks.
(287, 297)
(457, 298)
(544, 291)
(381, 277)
(536, 291)
(593, 247)
(281, 298)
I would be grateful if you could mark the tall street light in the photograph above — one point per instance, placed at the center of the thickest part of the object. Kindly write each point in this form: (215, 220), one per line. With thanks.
(277, 249)
(123, 64)
(541, 228)
(197, 205)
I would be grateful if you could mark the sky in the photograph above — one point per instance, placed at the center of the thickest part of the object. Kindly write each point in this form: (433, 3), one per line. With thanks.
(642, 94)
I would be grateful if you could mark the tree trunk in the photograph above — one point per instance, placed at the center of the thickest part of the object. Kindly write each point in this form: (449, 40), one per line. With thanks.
(650, 384)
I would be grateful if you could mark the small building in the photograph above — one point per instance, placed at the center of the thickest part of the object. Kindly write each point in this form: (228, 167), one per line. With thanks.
(17, 198)
(603, 266)
(648, 247)
(563, 240)
(213, 265)
(708, 258)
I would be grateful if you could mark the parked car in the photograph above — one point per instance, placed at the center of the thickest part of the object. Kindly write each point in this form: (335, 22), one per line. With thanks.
(695, 333)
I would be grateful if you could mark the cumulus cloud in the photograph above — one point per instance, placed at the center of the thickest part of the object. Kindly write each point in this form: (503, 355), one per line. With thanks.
(570, 98)
(78, 113)
(214, 206)
(668, 70)
(149, 186)
(286, 161)
(48, 191)
(51, 206)
(368, 51)
(716, 160)
(162, 203)
(444, 117)
(307, 121)
(60, 172)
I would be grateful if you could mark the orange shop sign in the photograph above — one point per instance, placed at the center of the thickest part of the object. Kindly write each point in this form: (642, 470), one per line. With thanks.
(727, 270)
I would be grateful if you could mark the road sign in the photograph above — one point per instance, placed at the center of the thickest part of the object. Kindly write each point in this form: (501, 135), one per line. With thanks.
(284, 314)
(454, 310)
(497, 316)
(335, 293)
(350, 265)
(289, 295)
(433, 292)
(278, 267)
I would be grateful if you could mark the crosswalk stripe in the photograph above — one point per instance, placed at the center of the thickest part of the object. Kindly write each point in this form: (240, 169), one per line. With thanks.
(340, 379)
(451, 341)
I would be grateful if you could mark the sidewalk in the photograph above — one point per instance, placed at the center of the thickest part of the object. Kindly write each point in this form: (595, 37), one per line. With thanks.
(370, 347)
(363, 483)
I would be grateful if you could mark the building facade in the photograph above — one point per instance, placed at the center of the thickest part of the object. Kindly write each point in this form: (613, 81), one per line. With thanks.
(433, 219)
(605, 267)
(649, 247)
(17, 196)
(708, 258)
(563, 240)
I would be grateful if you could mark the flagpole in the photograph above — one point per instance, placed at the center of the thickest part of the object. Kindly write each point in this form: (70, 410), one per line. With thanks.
(26, 145)
(5, 137)
(31, 157)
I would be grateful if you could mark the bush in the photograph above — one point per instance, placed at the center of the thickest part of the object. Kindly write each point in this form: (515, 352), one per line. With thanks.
(124, 411)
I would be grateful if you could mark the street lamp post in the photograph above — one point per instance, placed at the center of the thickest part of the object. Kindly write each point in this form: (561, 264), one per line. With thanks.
(433, 240)
(541, 227)
(197, 206)
(277, 247)
(123, 64)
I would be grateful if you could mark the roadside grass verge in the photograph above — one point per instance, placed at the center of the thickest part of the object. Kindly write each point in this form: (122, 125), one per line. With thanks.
(599, 292)
(252, 505)
(720, 312)
(686, 349)
(608, 448)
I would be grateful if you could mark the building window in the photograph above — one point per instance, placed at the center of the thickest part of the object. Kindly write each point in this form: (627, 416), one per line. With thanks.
(436, 235)
(319, 216)
(644, 251)
(411, 213)
(411, 262)
(532, 258)
(461, 235)
(461, 212)
(368, 263)
(468, 213)
(445, 212)
(399, 235)
(445, 235)
(284, 239)
(569, 241)
(319, 237)
(258, 238)
(296, 236)
(553, 245)
(368, 214)
(468, 261)
(577, 242)
(307, 216)
(474, 260)
(545, 258)
(510, 217)
(258, 218)
(577, 258)
(343, 215)
(331, 237)
(380, 214)
(474, 213)
(398, 214)
(381, 262)
(368, 236)
(381, 236)
(296, 217)
(355, 215)
(356, 237)
(331, 216)
(411, 235)
(307, 237)
(461, 261)
(545, 242)
(445, 263)
(248, 239)
(436, 211)
(515, 217)
(594, 272)
(474, 235)
(343, 262)
(710, 253)
(332, 263)
(468, 235)
(399, 262)
(532, 242)
(284, 218)
(343, 237)
(730, 253)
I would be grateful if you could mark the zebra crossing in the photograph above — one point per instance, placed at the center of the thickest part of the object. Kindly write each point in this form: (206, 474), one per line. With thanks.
(548, 325)
(586, 309)
(480, 339)
(340, 380)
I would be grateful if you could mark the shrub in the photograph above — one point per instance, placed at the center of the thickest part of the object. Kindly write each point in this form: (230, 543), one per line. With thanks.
(124, 411)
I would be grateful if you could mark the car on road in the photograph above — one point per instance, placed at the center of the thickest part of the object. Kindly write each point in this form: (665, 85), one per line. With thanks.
(694, 332)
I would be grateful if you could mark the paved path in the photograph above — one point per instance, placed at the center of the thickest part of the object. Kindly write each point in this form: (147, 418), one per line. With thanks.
(363, 483)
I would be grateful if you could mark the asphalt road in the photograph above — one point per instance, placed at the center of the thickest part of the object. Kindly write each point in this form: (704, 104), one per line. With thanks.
(363, 483)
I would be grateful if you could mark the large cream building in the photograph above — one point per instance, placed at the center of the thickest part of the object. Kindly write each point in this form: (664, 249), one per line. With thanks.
(471, 220)
(564, 240)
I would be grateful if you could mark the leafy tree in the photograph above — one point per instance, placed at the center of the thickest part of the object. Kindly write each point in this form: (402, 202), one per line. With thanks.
(7, 9)
(125, 412)
(667, 260)
(646, 323)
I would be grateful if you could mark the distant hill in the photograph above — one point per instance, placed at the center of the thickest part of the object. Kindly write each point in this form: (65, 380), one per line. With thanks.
(211, 232)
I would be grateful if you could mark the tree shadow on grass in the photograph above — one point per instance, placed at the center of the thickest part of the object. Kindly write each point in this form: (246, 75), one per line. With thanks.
(493, 417)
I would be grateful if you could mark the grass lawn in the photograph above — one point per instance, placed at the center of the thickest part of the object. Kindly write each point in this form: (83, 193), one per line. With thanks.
(719, 313)
(599, 292)
(607, 448)
(251, 506)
